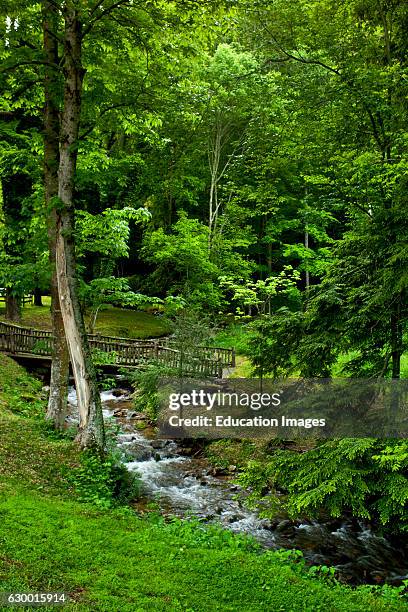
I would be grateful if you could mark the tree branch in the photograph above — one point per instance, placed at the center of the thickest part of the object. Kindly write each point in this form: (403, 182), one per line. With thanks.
(30, 63)
(26, 43)
(95, 8)
(298, 58)
(24, 88)
(103, 14)
(315, 62)
(107, 110)
(53, 3)
(55, 36)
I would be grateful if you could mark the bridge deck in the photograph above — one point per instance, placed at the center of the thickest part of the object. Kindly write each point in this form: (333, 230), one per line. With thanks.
(125, 352)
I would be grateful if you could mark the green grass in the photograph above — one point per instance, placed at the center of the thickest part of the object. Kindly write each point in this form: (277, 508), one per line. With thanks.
(344, 358)
(110, 322)
(233, 336)
(226, 452)
(30, 452)
(114, 560)
(130, 324)
(404, 366)
(243, 369)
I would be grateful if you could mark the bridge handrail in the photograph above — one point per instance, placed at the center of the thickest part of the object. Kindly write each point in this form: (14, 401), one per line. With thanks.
(225, 355)
(17, 338)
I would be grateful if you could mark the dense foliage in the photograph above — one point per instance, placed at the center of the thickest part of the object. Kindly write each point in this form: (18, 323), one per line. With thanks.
(365, 477)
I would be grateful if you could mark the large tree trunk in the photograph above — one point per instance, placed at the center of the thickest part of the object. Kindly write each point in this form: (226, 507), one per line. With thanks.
(13, 306)
(58, 398)
(91, 430)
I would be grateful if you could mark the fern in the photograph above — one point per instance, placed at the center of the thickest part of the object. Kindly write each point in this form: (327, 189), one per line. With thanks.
(365, 477)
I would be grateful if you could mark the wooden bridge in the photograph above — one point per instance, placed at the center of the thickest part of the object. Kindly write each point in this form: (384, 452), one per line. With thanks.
(206, 361)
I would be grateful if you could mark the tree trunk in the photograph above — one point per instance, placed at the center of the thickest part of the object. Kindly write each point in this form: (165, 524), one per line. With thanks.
(396, 341)
(307, 274)
(37, 297)
(91, 429)
(13, 307)
(58, 398)
(214, 160)
(269, 257)
(12, 304)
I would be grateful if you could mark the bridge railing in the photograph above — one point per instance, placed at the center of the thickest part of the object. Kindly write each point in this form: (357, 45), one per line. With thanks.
(16, 339)
(137, 353)
(207, 361)
(225, 356)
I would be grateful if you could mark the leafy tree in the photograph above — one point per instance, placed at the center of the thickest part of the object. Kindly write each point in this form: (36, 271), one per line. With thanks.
(106, 236)
(183, 257)
(352, 48)
(264, 295)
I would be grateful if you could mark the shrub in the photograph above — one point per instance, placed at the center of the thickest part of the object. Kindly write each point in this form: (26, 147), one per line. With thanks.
(146, 383)
(103, 481)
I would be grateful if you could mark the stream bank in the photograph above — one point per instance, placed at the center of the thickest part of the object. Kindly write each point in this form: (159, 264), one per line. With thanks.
(185, 486)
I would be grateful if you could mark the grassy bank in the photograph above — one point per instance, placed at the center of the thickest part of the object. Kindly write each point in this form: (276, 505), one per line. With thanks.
(111, 321)
(114, 560)
(30, 452)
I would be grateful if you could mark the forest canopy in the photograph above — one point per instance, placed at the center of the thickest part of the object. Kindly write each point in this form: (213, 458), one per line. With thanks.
(273, 138)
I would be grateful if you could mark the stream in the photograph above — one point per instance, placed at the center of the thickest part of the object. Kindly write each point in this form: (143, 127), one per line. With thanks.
(186, 486)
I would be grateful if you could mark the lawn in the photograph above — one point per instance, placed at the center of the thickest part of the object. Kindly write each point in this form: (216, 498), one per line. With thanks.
(111, 321)
(116, 560)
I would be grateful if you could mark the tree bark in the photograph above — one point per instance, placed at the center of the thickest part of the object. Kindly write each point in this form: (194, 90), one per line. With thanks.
(91, 429)
(13, 306)
(11, 302)
(58, 398)
(217, 171)
(37, 297)
(269, 257)
(214, 162)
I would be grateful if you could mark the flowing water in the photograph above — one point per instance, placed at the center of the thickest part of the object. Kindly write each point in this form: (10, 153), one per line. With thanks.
(185, 486)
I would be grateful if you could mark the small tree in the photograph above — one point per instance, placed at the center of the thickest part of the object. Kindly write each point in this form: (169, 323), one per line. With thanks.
(262, 296)
(107, 236)
(190, 329)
